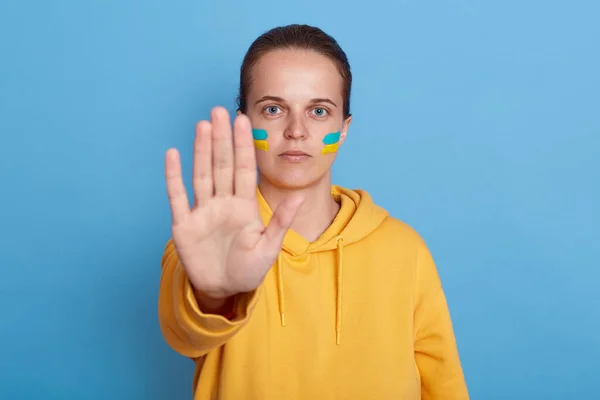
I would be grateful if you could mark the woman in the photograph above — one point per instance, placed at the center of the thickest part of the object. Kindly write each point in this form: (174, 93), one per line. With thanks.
(326, 297)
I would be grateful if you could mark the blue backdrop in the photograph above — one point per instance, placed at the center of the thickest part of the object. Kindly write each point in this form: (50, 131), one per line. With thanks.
(488, 115)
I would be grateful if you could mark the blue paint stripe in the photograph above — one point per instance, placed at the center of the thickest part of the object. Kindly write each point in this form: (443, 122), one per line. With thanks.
(331, 138)
(259, 134)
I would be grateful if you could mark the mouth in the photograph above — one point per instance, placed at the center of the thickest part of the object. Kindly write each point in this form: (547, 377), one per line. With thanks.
(294, 156)
(294, 153)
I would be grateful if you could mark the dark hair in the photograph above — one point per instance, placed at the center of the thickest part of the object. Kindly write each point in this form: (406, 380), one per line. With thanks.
(303, 37)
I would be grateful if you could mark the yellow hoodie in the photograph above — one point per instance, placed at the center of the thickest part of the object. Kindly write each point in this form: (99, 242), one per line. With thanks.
(358, 314)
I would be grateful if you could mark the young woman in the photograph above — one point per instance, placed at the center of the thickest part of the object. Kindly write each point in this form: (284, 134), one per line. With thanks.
(294, 288)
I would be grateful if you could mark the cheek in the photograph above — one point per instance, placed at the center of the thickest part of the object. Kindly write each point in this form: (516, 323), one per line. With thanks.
(260, 137)
(268, 136)
(331, 143)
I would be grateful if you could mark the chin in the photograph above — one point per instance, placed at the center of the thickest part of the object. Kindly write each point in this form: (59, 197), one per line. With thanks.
(293, 179)
(293, 176)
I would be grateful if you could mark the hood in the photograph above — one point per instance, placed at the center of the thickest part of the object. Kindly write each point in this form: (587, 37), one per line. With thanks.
(357, 218)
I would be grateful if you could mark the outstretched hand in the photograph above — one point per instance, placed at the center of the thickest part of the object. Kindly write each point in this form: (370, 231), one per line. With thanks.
(221, 240)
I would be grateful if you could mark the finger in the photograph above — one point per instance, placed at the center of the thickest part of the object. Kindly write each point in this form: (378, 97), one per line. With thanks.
(178, 199)
(245, 159)
(280, 222)
(222, 152)
(202, 172)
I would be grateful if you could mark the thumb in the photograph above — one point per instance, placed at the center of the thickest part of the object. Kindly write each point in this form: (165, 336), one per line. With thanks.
(280, 222)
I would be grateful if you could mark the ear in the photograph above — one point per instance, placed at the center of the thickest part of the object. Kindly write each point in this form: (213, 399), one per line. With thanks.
(239, 112)
(345, 127)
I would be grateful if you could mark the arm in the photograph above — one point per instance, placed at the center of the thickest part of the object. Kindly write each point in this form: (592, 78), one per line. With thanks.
(436, 352)
(224, 178)
(185, 327)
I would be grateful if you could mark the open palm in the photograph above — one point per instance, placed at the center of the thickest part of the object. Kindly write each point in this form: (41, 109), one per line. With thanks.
(221, 241)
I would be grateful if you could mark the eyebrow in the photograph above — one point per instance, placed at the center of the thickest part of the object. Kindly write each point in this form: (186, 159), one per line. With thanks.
(281, 100)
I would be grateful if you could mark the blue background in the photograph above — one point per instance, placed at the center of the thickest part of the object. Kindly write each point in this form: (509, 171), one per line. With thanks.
(475, 122)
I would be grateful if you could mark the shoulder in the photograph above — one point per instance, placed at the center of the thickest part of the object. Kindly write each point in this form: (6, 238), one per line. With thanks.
(407, 248)
(373, 222)
(396, 231)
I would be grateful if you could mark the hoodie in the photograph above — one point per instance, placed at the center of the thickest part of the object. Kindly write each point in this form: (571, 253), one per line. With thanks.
(359, 313)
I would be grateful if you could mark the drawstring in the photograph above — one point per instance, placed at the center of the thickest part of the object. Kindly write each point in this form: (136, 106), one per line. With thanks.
(338, 304)
(338, 311)
(280, 289)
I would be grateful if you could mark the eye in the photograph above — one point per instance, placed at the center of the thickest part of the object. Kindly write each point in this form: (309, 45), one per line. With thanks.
(320, 112)
(272, 110)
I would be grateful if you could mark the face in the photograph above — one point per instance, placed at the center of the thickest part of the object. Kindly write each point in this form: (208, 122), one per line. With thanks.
(296, 107)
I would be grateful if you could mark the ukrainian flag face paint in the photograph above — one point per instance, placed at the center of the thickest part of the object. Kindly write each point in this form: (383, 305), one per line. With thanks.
(260, 139)
(331, 141)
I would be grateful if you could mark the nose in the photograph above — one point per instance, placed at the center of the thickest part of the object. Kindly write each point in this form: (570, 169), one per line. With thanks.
(296, 130)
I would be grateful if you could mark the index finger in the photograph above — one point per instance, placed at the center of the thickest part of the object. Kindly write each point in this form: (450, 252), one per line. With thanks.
(245, 158)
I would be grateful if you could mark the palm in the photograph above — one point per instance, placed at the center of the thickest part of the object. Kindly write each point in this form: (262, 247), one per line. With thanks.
(218, 247)
(221, 242)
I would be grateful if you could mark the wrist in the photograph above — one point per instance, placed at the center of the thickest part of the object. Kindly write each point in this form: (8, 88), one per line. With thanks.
(218, 306)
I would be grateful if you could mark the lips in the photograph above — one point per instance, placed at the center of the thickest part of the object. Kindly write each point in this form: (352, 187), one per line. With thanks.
(294, 153)
(294, 156)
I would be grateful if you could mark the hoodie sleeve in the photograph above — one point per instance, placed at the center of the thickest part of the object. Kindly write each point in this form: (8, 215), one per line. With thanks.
(436, 352)
(188, 330)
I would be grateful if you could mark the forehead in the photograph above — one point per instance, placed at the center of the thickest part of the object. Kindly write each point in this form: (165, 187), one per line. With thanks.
(296, 74)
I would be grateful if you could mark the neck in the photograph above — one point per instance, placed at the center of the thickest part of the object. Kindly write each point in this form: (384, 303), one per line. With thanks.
(316, 213)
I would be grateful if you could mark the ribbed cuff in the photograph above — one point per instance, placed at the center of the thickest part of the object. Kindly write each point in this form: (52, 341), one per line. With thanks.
(196, 322)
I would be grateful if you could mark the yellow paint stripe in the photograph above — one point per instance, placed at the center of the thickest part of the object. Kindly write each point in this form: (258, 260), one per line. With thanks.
(261, 145)
(330, 148)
